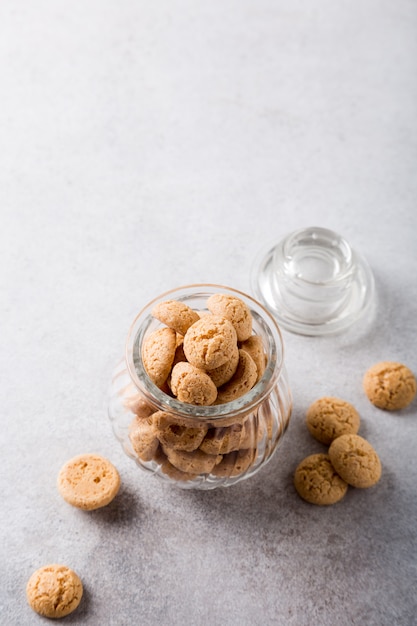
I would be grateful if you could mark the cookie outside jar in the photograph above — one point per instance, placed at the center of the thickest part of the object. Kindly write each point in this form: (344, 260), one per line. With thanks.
(191, 446)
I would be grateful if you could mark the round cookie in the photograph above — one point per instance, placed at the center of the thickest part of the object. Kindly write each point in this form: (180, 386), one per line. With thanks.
(174, 434)
(144, 439)
(158, 352)
(54, 591)
(235, 463)
(317, 482)
(176, 315)
(88, 481)
(241, 382)
(210, 342)
(174, 473)
(328, 418)
(234, 310)
(390, 385)
(224, 373)
(192, 385)
(196, 462)
(255, 348)
(137, 405)
(170, 470)
(229, 439)
(355, 460)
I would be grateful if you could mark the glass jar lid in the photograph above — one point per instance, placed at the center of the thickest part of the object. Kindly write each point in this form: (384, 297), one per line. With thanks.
(314, 283)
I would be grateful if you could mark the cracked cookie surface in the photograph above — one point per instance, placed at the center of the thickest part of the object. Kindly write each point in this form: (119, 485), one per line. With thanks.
(221, 375)
(176, 434)
(255, 348)
(192, 385)
(355, 460)
(158, 354)
(176, 315)
(328, 418)
(210, 342)
(317, 481)
(241, 382)
(390, 385)
(54, 591)
(233, 309)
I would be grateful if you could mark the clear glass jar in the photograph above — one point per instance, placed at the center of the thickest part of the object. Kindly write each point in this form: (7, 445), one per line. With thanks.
(234, 439)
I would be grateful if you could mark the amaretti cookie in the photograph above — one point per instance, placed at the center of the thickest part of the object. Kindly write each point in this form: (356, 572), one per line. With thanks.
(229, 439)
(88, 481)
(254, 347)
(390, 385)
(317, 481)
(221, 375)
(355, 460)
(158, 354)
(192, 385)
(144, 437)
(176, 315)
(241, 382)
(196, 462)
(210, 342)
(211, 351)
(235, 463)
(175, 434)
(137, 405)
(234, 310)
(54, 591)
(329, 417)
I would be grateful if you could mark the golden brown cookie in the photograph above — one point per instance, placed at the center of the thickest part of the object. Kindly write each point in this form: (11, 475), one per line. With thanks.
(179, 356)
(177, 434)
(235, 463)
(54, 591)
(255, 348)
(169, 470)
(174, 473)
(221, 375)
(390, 385)
(158, 353)
(241, 382)
(229, 439)
(192, 385)
(196, 462)
(135, 403)
(317, 481)
(88, 481)
(176, 315)
(355, 460)
(210, 342)
(143, 436)
(328, 418)
(234, 310)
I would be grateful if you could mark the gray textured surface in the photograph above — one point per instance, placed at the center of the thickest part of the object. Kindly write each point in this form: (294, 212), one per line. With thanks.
(146, 145)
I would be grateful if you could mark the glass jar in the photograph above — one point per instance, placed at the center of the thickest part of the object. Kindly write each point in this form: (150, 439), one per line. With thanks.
(204, 447)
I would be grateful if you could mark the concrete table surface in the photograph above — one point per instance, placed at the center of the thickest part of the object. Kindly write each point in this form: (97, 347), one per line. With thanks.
(148, 145)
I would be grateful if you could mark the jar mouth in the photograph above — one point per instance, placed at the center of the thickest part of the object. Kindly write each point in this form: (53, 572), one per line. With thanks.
(263, 323)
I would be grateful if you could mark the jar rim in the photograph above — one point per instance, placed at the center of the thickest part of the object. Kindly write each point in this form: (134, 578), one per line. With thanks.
(245, 403)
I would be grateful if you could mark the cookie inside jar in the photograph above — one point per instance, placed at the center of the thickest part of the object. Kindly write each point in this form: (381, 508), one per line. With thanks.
(211, 397)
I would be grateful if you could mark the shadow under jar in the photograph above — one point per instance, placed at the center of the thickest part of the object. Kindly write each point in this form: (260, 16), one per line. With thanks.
(200, 447)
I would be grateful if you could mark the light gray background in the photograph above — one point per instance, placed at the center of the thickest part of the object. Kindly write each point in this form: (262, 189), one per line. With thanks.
(147, 145)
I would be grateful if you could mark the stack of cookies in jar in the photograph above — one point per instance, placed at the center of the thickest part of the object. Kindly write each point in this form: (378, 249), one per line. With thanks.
(201, 358)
